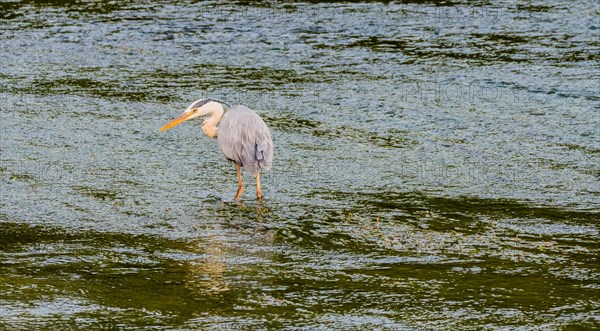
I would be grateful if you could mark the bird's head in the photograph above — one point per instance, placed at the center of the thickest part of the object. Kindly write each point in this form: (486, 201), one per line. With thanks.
(196, 109)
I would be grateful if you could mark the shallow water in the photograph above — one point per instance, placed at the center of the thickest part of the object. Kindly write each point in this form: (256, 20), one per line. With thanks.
(436, 166)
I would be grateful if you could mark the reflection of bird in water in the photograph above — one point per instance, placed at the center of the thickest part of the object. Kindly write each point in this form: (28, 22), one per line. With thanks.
(243, 136)
(219, 259)
(206, 275)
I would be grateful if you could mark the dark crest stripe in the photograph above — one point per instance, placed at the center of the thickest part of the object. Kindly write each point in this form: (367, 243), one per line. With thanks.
(200, 103)
(225, 103)
(205, 101)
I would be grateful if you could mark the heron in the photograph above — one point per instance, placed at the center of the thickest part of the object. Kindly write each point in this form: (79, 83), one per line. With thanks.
(242, 135)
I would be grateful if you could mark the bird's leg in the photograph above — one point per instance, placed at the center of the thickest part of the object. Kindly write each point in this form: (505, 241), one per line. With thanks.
(240, 184)
(258, 191)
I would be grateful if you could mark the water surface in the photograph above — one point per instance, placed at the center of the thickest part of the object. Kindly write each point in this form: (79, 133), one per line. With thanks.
(436, 166)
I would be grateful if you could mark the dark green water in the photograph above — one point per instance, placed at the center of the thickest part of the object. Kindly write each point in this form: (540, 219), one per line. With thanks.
(436, 166)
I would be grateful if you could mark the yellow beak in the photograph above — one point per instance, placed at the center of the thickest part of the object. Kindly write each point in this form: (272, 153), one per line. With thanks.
(179, 119)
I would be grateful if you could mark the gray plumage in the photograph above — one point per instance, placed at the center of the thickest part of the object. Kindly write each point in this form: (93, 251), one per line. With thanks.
(244, 138)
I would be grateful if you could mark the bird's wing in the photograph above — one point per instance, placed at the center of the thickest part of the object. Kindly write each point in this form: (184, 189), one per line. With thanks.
(245, 138)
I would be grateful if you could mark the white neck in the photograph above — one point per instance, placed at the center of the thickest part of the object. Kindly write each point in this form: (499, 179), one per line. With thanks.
(209, 126)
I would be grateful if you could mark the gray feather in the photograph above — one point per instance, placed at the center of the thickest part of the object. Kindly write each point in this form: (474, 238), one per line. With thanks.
(244, 138)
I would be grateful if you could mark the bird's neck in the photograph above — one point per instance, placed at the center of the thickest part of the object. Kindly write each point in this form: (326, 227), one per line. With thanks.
(210, 124)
